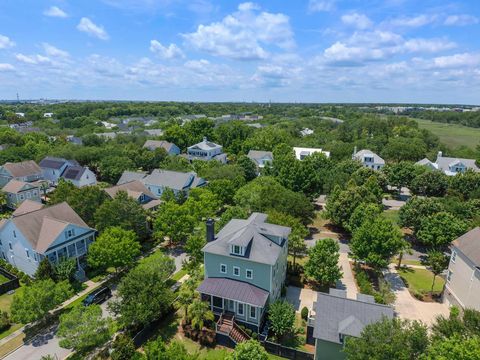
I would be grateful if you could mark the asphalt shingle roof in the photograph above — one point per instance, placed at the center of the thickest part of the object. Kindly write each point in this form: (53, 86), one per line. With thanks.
(24, 168)
(469, 245)
(155, 144)
(362, 153)
(234, 290)
(258, 155)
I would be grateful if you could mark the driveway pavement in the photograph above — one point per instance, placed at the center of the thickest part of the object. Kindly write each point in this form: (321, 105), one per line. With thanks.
(300, 298)
(408, 307)
(347, 282)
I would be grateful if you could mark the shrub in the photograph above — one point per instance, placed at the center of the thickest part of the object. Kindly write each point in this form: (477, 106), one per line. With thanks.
(284, 291)
(4, 321)
(304, 313)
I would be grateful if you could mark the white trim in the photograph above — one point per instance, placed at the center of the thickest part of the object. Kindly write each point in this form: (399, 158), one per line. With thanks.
(243, 309)
(226, 269)
(250, 314)
(246, 274)
(236, 268)
(454, 256)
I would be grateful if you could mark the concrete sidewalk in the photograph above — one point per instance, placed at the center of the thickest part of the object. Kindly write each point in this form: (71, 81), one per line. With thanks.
(347, 282)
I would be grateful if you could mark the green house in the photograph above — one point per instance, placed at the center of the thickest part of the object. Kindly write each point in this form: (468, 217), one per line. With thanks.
(245, 269)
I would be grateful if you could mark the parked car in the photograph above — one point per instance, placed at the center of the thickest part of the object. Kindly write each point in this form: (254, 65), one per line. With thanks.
(98, 296)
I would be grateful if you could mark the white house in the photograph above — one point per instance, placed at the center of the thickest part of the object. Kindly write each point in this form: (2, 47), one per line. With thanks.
(80, 176)
(48, 115)
(463, 277)
(301, 152)
(55, 168)
(34, 233)
(369, 159)
(206, 150)
(306, 131)
(450, 166)
(20, 114)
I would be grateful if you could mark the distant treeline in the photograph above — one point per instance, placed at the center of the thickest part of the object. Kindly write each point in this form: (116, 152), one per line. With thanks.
(471, 118)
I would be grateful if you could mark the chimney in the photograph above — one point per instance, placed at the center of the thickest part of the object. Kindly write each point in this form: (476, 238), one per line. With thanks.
(354, 151)
(439, 155)
(210, 225)
(204, 139)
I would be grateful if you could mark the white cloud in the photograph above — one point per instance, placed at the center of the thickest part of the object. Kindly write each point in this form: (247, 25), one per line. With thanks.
(453, 61)
(55, 11)
(427, 45)
(6, 67)
(342, 54)
(244, 35)
(88, 26)
(416, 21)
(321, 5)
(5, 42)
(32, 59)
(171, 51)
(359, 21)
(460, 20)
(51, 50)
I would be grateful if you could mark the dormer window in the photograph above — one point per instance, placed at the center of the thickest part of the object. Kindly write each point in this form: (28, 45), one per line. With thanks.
(237, 250)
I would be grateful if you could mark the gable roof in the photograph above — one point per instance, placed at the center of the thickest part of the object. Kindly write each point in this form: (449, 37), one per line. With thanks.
(15, 186)
(205, 145)
(134, 189)
(43, 226)
(24, 168)
(175, 180)
(360, 155)
(469, 245)
(26, 207)
(155, 144)
(258, 155)
(337, 315)
(252, 233)
(444, 163)
(128, 176)
(73, 172)
(55, 163)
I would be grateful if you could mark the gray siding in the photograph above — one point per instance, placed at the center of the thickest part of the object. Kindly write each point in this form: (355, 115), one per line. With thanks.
(325, 350)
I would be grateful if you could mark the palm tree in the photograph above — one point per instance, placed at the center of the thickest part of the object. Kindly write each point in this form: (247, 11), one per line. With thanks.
(199, 313)
(185, 298)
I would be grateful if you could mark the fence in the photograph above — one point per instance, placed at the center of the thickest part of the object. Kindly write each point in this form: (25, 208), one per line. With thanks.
(286, 352)
(11, 284)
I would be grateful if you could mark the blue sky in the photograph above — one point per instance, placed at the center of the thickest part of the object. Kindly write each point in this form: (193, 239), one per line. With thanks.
(205, 50)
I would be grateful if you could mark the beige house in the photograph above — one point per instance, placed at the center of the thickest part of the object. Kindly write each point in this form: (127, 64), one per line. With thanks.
(18, 191)
(463, 278)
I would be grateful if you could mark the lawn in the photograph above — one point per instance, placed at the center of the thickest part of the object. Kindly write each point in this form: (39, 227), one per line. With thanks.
(3, 279)
(392, 215)
(452, 135)
(419, 281)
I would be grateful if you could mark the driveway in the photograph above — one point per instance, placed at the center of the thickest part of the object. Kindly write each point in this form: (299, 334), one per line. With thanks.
(408, 307)
(347, 282)
(178, 255)
(300, 298)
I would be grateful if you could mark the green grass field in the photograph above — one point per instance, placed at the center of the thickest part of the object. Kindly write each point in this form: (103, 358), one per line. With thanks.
(420, 280)
(452, 135)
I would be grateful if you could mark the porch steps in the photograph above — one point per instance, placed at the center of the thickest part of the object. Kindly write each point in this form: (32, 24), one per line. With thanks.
(226, 325)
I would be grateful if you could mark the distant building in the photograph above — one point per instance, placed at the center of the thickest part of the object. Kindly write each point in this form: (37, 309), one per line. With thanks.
(34, 233)
(301, 152)
(136, 190)
(160, 180)
(462, 287)
(18, 191)
(260, 158)
(169, 147)
(306, 132)
(55, 168)
(20, 114)
(369, 159)
(74, 140)
(450, 166)
(80, 176)
(47, 115)
(336, 318)
(206, 150)
(27, 171)
(154, 132)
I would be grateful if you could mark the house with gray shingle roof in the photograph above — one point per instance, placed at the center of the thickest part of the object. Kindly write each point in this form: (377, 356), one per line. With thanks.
(169, 147)
(260, 158)
(369, 159)
(450, 166)
(34, 233)
(337, 317)
(54, 168)
(245, 269)
(462, 287)
(205, 151)
(18, 191)
(136, 190)
(160, 180)
(27, 171)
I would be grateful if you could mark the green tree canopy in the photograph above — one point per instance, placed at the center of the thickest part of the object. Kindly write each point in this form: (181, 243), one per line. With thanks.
(416, 209)
(440, 229)
(282, 318)
(322, 263)
(249, 350)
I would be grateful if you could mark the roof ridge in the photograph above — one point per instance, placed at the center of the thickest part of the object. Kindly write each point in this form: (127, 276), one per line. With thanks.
(354, 300)
(44, 208)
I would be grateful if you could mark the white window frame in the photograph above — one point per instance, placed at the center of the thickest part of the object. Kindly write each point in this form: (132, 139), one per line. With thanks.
(454, 256)
(242, 306)
(236, 268)
(246, 274)
(254, 308)
(449, 275)
(221, 266)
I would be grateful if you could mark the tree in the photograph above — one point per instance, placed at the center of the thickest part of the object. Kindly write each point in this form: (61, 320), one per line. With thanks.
(456, 324)
(365, 212)
(173, 221)
(143, 294)
(440, 229)
(249, 350)
(455, 348)
(35, 300)
(194, 246)
(248, 166)
(157, 350)
(376, 242)
(115, 247)
(322, 264)
(416, 209)
(45, 270)
(232, 212)
(124, 212)
(296, 240)
(400, 174)
(282, 318)
(83, 328)
(65, 269)
(123, 348)
(430, 183)
(111, 168)
(388, 339)
(438, 262)
(199, 313)
(224, 189)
